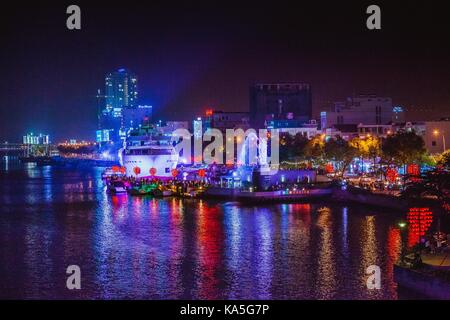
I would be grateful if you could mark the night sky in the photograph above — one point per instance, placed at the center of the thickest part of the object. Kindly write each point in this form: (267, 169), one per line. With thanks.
(206, 54)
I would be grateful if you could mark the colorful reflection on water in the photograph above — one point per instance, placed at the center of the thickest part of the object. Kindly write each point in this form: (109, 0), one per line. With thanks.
(139, 247)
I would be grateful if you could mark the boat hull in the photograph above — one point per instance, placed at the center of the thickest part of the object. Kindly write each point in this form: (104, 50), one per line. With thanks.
(162, 165)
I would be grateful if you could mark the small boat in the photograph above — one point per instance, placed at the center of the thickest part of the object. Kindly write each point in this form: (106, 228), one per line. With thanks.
(116, 187)
(159, 192)
(108, 173)
(144, 189)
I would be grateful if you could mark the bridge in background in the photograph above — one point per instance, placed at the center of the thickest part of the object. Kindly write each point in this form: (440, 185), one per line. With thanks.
(25, 150)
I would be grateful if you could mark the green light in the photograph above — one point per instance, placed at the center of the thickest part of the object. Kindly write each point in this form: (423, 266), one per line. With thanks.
(402, 224)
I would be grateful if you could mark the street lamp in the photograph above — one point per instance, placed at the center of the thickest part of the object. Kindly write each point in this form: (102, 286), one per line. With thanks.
(436, 133)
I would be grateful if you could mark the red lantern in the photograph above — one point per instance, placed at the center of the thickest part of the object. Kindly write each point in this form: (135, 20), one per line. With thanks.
(391, 175)
(115, 168)
(174, 172)
(137, 170)
(329, 168)
(122, 170)
(152, 171)
(201, 173)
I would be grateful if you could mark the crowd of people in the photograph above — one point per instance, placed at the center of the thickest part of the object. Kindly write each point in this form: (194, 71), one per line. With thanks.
(437, 242)
(179, 185)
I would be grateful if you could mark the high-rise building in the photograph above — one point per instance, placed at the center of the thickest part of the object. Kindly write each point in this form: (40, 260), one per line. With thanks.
(120, 91)
(277, 101)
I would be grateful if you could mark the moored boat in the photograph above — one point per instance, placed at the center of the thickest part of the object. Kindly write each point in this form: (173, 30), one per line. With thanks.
(144, 189)
(117, 187)
(149, 154)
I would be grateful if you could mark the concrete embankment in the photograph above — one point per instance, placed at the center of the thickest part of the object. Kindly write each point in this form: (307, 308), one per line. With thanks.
(371, 199)
(423, 282)
(272, 196)
(366, 197)
(355, 195)
(81, 162)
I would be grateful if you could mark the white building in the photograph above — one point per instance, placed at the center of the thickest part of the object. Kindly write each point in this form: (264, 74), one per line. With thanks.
(437, 135)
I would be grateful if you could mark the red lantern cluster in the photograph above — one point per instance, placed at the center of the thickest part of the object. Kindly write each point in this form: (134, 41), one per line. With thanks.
(419, 220)
(329, 168)
(201, 173)
(137, 170)
(174, 172)
(413, 169)
(116, 169)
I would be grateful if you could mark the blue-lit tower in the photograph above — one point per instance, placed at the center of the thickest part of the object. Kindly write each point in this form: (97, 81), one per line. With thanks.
(120, 92)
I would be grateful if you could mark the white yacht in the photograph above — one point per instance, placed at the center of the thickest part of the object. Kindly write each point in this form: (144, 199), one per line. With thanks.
(148, 154)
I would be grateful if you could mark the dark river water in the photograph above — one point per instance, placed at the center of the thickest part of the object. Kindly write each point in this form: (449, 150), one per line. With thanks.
(143, 248)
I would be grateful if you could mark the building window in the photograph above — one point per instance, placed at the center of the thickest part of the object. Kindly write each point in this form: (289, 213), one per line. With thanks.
(378, 114)
(433, 143)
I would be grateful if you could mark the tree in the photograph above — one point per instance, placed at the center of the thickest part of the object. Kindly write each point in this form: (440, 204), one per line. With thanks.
(434, 183)
(292, 147)
(368, 147)
(315, 150)
(444, 159)
(341, 152)
(402, 148)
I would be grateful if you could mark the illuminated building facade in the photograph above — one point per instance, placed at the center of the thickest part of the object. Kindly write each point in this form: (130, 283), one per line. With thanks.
(104, 135)
(30, 138)
(120, 91)
(120, 105)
